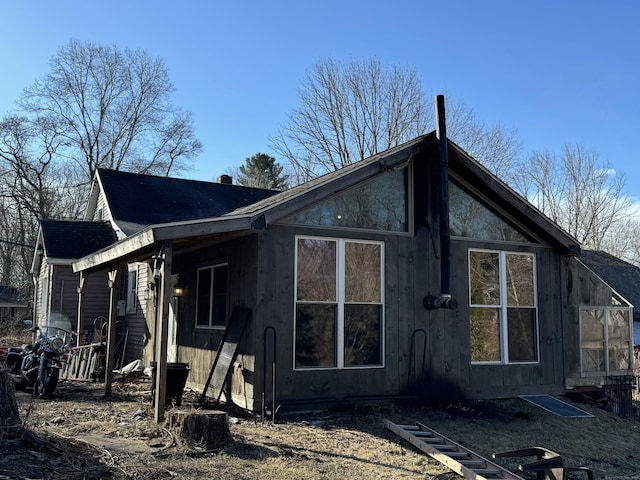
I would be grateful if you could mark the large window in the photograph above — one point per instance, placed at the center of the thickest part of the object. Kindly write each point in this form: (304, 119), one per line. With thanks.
(212, 296)
(605, 340)
(470, 218)
(503, 313)
(339, 300)
(380, 204)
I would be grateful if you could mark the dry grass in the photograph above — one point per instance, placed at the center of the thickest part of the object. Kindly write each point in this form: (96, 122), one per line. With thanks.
(119, 432)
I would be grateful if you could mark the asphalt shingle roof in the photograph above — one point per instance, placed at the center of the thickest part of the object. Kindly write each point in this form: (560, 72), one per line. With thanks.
(72, 239)
(11, 295)
(137, 201)
(622, 276)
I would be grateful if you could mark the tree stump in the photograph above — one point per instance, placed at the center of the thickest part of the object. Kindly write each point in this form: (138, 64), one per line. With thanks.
(9, 414)
(208, 429)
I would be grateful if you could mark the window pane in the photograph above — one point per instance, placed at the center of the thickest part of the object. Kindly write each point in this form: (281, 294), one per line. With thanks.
(618, 326)
(520, 280)
(619, 332)
(485, 334)
(592, 333)
(204, 297)
(362, 345)
(523, 338)
(378, 205)
(362, 272)
(220, 295)
(470, 218)
(619, 356)
(484, 273)
(316, 270)
(315, 335)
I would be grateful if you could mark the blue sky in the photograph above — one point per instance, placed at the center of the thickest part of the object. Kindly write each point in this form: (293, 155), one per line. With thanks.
(558, 71)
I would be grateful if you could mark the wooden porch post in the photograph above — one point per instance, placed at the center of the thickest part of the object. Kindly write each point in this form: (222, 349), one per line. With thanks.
(114, 283)
(80, 323)
(162, 322)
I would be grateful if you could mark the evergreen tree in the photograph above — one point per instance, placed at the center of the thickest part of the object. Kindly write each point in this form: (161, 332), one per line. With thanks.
(262, 171)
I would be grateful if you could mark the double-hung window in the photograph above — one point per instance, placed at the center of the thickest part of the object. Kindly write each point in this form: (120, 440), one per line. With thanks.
(339, 303)
(212, 296)
(503, 307)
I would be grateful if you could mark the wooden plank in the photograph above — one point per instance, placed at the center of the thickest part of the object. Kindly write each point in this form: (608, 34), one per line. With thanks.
(114, 283)
(163, 328)
(227, 351)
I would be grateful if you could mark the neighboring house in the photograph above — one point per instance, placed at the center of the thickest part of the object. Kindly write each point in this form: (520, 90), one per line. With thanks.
(59, 244)
(14, 307)
(622, 276)
(357, 288)
(129, 203)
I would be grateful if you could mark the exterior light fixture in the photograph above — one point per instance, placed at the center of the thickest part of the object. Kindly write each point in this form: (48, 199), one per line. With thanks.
(178, 290)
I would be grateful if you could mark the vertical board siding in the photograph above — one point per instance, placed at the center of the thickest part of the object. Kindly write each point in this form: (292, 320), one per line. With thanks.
(500, 381)
(198, 346)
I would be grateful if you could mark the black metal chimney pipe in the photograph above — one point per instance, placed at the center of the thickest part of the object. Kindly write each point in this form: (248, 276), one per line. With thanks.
(444, 300)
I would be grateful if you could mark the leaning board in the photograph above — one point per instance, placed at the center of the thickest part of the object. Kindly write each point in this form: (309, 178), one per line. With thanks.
(226, 352)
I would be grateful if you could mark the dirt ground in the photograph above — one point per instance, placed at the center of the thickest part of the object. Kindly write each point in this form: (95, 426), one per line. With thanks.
(85, 435)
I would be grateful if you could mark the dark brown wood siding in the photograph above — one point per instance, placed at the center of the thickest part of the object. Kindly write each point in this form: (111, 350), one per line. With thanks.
(198, 346)
(496, 381)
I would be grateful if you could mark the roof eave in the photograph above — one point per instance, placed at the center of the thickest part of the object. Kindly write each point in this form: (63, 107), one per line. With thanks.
(159, 233)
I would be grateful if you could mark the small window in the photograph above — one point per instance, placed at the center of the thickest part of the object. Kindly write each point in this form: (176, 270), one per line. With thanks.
(212, 296)
(132, 289)
(503, 308)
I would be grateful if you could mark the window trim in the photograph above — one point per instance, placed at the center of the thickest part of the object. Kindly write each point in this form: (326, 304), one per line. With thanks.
(503, 306)
(340, 302)
(212, 267)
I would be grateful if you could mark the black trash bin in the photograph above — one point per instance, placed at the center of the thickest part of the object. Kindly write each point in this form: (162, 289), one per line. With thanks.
(177, 374)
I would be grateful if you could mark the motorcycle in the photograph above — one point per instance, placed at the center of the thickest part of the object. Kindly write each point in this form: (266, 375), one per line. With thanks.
(39, 365)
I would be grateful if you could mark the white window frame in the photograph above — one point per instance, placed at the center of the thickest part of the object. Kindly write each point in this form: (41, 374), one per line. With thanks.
(132, 288)
(340, 302)
(503, 306)
(212, 268)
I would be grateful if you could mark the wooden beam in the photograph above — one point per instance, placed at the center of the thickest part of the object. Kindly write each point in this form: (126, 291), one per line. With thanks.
(162, 322)
(80, 323)
(114, 283)
(114, 252)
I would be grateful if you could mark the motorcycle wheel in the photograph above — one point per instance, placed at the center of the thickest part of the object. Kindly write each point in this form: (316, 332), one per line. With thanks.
(49, 381)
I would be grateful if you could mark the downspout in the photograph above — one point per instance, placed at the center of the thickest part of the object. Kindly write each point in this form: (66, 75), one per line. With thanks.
(444, 300)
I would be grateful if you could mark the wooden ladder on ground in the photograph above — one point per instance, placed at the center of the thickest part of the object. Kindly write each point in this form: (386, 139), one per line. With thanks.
(458, 458)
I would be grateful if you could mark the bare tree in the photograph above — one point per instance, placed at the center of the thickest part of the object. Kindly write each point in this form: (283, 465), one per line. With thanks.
(580, 193)
(111, 108)
(349, 111)
(97, 107)
(495, 147)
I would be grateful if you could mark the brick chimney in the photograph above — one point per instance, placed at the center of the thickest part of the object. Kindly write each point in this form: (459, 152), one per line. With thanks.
(225, 179)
